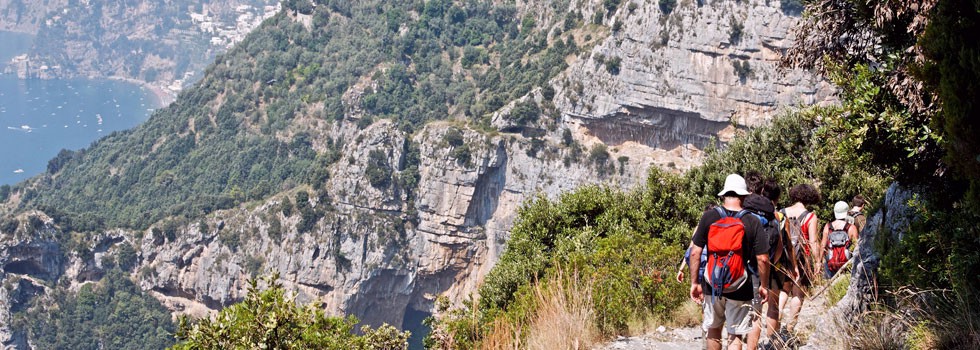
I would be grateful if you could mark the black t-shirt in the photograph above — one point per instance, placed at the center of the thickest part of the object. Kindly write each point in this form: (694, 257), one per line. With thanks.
(752, 243)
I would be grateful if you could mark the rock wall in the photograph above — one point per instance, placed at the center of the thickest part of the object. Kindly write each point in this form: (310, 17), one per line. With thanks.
(370, 255)
(893, 219)
(684, 76)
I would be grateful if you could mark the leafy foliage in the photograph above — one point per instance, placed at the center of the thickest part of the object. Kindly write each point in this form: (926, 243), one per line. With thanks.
(269, 319)
(110, 314)
(909, 76)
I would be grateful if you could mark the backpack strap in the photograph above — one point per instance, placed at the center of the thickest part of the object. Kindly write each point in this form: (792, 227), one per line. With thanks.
(740, 214)
(721, 211)
(804, 220)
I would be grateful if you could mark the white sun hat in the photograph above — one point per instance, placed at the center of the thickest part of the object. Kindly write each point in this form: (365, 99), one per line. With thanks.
(840, 210)
(735, 183)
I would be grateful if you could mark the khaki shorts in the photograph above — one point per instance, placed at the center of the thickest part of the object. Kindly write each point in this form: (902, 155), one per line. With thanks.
(736, 314)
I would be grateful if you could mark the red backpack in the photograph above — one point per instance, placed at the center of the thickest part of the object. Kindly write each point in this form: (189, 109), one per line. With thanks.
(838, 242)
(726, 271)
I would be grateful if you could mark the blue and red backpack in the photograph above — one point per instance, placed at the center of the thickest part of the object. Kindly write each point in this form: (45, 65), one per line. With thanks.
(726, 270)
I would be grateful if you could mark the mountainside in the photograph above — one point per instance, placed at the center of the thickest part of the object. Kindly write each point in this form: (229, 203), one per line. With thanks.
(163, 43)
(375, 154)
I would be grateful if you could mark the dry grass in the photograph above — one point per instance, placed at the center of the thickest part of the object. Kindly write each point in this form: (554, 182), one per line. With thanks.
(688, 314)
(915, 320)
(504, 335)
(565, 317)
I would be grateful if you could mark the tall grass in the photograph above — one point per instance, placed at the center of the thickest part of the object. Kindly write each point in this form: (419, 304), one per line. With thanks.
(915, 319)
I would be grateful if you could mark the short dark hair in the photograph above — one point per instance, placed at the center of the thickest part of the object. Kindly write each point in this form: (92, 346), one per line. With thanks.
(753, 181)
(771, 189)
(806, 194)
(858, 201)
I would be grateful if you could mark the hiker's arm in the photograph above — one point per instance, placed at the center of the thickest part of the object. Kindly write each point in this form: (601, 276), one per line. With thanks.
(853, 232)
(763, 261)
(680, 270)
(816, 252)
(824, 240)
(696, 293)
(694, 263)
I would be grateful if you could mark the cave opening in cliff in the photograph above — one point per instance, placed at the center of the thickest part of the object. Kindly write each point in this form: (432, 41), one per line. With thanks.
(656, 127)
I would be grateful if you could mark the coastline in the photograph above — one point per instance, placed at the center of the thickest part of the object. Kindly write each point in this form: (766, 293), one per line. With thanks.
(161, 97)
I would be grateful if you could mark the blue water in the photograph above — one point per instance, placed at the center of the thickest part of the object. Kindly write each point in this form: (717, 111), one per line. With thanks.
(38, 118)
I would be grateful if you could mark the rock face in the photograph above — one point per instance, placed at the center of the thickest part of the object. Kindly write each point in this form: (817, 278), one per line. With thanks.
(27, 265)
(26, 16)
(371, 255)
(894, 218)
(683, 77)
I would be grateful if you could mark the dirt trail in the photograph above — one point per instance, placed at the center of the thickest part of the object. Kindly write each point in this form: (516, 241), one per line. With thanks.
(666, 338)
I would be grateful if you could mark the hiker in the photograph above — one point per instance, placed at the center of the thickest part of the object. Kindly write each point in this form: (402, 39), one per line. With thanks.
(856, 214)
(800, 223)
(735, 246)
(762, 203)
(837, 238)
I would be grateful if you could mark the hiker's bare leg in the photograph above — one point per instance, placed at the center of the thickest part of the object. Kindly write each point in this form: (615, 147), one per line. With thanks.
(783, 297)
(714, 339)
(772, 314)
(752, 339)
(795, 305)
(735, 342)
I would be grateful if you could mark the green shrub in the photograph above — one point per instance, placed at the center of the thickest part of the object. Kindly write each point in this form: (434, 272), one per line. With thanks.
(269, 319)
(378, 170)
(613, 64)
(109, 314)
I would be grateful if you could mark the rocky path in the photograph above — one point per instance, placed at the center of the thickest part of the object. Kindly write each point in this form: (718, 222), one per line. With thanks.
(665, 338)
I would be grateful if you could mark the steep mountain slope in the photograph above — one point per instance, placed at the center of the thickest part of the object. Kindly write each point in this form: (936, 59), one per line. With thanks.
(375, 154)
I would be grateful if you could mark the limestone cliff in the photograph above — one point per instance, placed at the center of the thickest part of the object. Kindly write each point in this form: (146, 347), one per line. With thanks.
(685, 76)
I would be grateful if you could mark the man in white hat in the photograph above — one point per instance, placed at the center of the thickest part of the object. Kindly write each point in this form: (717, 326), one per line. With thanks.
(731, 305)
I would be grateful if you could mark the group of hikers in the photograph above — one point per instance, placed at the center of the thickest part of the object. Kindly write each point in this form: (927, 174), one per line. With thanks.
(745, 254)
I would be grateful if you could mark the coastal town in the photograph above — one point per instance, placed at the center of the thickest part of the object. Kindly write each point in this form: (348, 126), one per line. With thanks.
(217, 32)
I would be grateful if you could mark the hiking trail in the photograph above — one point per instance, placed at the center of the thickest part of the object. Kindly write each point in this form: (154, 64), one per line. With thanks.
(684, 338)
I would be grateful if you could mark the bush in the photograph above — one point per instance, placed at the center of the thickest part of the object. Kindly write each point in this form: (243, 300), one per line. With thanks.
(742, 69)
(735, 36)
(613, 65)
(624, 243)
(667, 6)
(378, 170)
(524, 113)
(109, 314)
(269, 319)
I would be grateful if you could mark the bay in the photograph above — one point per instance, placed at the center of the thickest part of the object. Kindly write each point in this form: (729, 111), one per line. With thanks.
(39, 118)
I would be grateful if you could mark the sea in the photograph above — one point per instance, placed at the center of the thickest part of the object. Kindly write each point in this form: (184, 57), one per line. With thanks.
(40, 117)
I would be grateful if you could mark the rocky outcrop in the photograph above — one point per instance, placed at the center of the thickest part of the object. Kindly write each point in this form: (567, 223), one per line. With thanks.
(30, 260)
(683, 77)
(890, 223)
(370, 254)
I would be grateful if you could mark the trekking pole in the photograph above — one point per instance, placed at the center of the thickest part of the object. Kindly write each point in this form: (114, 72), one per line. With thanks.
(833, 278)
